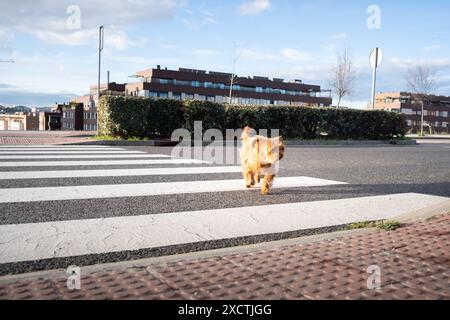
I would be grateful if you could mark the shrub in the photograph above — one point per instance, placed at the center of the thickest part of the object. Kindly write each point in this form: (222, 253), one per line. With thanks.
(164, 116)
(138, 117)
(211, 114)
(123, 117)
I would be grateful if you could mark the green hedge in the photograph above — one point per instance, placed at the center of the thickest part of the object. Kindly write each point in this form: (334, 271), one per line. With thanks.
(144, 117)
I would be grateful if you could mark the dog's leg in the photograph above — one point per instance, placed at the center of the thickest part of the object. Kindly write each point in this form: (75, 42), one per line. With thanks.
(249, 181)
(252, 178)
(267, 183)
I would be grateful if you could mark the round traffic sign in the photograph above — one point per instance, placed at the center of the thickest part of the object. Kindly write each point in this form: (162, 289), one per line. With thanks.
(376, 57)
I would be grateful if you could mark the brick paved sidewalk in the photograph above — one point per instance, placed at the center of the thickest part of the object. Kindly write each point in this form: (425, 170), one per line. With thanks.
(414, 262)
(43, 137)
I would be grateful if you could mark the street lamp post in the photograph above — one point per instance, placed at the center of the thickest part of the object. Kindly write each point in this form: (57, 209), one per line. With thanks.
(421, 122)
(100, 49)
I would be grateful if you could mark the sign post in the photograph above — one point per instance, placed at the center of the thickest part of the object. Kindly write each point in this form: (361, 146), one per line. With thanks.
(100, 49)
(375, 59)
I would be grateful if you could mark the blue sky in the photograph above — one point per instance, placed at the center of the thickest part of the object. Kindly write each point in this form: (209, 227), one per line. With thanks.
(291, 39)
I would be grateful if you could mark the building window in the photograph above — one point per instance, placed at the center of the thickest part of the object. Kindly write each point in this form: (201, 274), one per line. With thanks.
(176, 96)
(195, 83)
(211, 98)
(189, 96)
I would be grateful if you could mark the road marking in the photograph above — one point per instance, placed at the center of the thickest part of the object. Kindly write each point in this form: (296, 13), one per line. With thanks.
(36, 241)
(55, 146)
(83, 156)
(14, 175)
(70, 152)
(98, 163)
(145, 189)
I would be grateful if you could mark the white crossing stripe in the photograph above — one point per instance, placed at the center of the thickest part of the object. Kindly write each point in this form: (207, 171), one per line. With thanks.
(60, 146)
(145, 189)
(97, 163)
(53, 148)
(83, 156)
(59, 149)
(69, 152)
(14, 175)
(36, 241)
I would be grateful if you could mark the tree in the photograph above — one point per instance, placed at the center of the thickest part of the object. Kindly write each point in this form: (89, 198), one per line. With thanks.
(344, 76)
(421, 82)
(233, 78)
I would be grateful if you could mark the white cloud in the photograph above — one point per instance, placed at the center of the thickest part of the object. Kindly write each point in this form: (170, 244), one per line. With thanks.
(6, 39)
(47, 19)
(253, 7)
(295, 55)
(434, 63)
(341, 35)
(431, 48)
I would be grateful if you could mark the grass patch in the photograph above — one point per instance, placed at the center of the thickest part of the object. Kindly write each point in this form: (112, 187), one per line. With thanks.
(389, 225)
(362, 225)
(111, 138)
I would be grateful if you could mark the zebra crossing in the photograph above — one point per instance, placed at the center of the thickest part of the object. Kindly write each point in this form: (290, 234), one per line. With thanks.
(185, 180)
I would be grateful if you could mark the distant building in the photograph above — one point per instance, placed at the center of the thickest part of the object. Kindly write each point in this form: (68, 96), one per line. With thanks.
(19, 121)
(31, 121)
(186, 84)
(72, 117)
(89, 103)
(436, 110)
(49, 120)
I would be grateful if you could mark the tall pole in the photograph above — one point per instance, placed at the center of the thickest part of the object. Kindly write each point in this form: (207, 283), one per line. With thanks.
(100, 48)
(374, 78)
(421, 121)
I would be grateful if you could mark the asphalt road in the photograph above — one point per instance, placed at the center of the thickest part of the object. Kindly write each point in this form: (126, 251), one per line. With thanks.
(368, 171)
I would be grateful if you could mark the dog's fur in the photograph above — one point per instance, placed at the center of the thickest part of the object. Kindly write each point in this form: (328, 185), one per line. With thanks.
(259, 157)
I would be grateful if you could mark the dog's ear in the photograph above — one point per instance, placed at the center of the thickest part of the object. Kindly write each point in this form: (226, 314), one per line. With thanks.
(280, 140)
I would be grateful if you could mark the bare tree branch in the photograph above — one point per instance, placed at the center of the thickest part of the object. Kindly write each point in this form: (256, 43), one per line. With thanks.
(421, 80)
(344, 76)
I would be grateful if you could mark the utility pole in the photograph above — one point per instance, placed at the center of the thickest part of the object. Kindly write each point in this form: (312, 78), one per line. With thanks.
(100, 49)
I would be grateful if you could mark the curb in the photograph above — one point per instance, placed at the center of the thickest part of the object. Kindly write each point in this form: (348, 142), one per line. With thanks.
(169, 143)
(349, 142)
(425, 213)
(115, 143)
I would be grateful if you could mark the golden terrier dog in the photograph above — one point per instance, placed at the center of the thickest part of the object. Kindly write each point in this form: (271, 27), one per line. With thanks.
(260, 156)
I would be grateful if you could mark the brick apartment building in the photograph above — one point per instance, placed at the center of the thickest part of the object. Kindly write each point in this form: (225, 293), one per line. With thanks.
(88, 103)
(190, 84)
(436, 110)
(185, 84)
(31, 121)
(72, 117)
